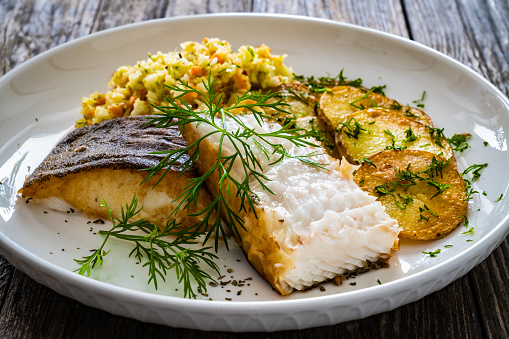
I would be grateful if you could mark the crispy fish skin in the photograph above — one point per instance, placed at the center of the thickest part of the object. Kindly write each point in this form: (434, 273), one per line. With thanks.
(105, 161)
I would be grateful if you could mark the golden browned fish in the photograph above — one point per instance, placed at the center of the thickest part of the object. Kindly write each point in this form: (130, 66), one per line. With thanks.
(104, 161)
(316, 225)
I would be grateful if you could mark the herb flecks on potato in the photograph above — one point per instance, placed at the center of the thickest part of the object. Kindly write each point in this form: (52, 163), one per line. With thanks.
(423, 191)
(341, 101)
(373, 130)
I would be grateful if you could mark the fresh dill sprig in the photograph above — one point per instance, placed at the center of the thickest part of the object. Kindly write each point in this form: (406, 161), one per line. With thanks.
(476, 170)
(393, 141)
(372, 102)
(179, 113)
(476, 174)
(434, 253)
(406, 178)
(420, 102)
(352, 128)
(154, 247)
(324, 84)
(437, 134)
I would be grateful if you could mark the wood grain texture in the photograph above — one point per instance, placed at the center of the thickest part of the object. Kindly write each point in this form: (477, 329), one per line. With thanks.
(475, 33)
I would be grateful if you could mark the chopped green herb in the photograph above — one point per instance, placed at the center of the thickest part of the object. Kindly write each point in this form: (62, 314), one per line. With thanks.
(323, 84)
(465, 219)
(476, 170)
(499, 198)
(393, 146)
(403, 201)
(459, 141)
(353, 128)
(469, 190)
(470, 231)
(422, 217)
(419, 102)
(437, 134)
(408, 113)
(410, 135)
(433, 253)
(395, 105)
(372, 102)
(362, 161)
(378, 89)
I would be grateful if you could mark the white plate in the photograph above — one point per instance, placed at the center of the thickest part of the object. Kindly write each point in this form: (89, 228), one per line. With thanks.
(39, 101)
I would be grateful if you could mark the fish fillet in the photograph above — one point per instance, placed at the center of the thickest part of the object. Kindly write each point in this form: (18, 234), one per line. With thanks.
(103, 162)
(318, 224)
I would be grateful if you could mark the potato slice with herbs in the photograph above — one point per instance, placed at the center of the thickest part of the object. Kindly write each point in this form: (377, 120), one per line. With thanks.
(373, 130)
(340, 101)
(423, 192)
(301, 102)
(301, 107)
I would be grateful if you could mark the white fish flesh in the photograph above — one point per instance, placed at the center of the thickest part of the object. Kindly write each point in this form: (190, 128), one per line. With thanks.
(318, 224)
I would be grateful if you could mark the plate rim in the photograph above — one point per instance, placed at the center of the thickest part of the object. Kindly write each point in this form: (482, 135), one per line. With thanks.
(470, 258)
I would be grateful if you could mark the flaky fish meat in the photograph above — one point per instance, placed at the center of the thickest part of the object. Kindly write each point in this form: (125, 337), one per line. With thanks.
(105, 161)
(316, 225)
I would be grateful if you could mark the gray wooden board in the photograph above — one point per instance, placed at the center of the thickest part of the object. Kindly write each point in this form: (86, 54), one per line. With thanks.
(475, 33)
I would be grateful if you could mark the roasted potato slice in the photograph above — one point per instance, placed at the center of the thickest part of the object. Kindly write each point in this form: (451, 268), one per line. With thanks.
(300, 100)
(376, 129)
(425, 193)
(340, 101)
(301, 107)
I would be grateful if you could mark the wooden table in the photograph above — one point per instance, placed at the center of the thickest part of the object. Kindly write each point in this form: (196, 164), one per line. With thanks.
(474, 32)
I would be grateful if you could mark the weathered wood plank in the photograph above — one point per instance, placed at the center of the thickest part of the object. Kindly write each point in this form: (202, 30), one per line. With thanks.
(475, 33)
(490, 280)
(32, 26)
(462, 29)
